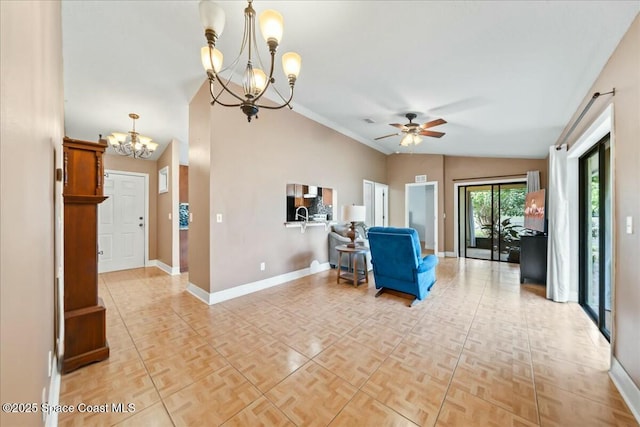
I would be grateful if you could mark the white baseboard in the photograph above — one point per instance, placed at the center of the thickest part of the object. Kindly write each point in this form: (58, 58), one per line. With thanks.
(248, 288)
(174, 271)
(450, 254)
(627, 388)
(51, 419)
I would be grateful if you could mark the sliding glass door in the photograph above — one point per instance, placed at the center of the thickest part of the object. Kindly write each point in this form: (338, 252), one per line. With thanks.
(595, 234)
(491, 218)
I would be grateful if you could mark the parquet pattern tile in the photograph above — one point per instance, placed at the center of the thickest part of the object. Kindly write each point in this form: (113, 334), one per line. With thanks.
(312, 396)
(409, 391)
(481, 350)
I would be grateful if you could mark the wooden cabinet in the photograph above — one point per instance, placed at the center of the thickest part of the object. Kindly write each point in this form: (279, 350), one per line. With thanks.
(85, 339)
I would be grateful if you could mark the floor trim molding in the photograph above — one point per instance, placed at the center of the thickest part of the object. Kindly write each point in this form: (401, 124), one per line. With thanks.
(627, 388)
(173, 271)
(248, 288)
(54, 394)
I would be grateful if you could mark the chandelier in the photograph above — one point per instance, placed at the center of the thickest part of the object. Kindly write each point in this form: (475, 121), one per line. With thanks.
(132, 143)
(255, 81)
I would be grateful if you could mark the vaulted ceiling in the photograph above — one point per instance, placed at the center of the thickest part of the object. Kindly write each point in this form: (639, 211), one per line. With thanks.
(505, 75)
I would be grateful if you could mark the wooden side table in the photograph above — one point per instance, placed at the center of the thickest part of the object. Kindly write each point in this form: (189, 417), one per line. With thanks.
(352, 273)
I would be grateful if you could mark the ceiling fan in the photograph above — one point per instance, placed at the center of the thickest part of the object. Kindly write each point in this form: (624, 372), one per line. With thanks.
(413, 131)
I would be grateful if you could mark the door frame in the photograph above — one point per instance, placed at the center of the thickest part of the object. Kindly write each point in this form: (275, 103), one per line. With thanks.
(456, 216)
(385, 202)
(433, 184)
(598, 317)
(146, 207)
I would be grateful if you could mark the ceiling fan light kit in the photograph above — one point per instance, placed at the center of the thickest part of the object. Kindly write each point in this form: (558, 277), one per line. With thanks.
(413, 131)
(132, 143)
(255, 81)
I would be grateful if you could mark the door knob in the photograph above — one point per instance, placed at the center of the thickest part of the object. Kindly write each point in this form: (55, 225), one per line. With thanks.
(100, 252)
(141, 225)
(140, 218)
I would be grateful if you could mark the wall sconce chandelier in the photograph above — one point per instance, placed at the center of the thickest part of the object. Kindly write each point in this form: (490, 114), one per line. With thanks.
(254, 80)
(132, 143)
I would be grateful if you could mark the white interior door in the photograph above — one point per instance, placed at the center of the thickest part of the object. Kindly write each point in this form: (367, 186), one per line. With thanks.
(121, 223)
(381, 205)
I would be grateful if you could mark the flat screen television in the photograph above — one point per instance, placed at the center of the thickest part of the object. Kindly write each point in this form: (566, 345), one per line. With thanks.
(535, 212)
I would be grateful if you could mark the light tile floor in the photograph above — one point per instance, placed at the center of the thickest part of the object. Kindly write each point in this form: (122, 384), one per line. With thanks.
(480, 350)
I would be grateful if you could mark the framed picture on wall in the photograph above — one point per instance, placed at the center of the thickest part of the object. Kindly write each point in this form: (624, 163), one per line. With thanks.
(163, 180)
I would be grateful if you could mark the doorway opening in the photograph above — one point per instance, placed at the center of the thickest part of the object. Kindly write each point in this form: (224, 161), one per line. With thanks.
(490, 219)
(421, 208)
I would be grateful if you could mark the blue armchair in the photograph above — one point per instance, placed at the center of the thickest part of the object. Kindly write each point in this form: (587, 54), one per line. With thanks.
(398, 263)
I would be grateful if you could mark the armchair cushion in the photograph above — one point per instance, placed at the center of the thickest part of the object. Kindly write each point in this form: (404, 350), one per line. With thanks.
(398, 263)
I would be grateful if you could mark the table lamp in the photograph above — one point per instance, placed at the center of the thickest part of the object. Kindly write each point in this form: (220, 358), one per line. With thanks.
(353, 214)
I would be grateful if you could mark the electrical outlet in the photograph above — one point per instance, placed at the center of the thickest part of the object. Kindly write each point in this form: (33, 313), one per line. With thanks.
(218, 217)
(263, 266)
(629, 225)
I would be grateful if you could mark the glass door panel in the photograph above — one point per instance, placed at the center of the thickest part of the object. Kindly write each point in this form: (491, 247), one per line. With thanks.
(512, 201)
(592, 179)
(596, 238)
(491, 218)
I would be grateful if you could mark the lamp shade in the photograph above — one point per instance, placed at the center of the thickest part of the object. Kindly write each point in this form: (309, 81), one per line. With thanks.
(291, 63)
(353, 213)
(271, 25)
(212, 16)
(206, 55)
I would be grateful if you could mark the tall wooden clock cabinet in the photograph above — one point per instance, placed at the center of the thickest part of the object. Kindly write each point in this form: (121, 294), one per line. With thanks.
(85, 339)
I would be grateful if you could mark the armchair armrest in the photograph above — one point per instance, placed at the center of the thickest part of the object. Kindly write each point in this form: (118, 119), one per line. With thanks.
(428, 262)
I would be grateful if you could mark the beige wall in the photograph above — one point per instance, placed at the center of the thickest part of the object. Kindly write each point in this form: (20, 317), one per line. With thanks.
(251, 164)
(150, 167)
(623, 72)
(199, 187)
(167, 208)
(403, 168)
(30, 145)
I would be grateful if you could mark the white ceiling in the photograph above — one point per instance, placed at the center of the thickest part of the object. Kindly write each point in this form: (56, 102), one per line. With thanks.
(506, 75)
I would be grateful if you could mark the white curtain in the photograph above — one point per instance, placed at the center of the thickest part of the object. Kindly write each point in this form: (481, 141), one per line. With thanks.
(558, 236)
(533, 181)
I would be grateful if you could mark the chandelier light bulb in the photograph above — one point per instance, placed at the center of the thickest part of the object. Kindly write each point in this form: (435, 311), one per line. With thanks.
(260, 79)
(207, 55)
(291, 63)
(271, 25)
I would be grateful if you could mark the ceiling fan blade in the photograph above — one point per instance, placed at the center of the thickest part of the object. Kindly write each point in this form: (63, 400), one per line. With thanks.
(386, 136)
(432, 133)
(398, 125)
(433, 123)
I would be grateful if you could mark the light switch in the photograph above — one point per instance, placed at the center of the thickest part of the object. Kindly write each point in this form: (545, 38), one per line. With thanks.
(169, 216)
(190, 216)
(218, 217)
(629, 225)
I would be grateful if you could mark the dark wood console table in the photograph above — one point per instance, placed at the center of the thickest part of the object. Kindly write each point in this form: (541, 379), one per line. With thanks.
(533, 259)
